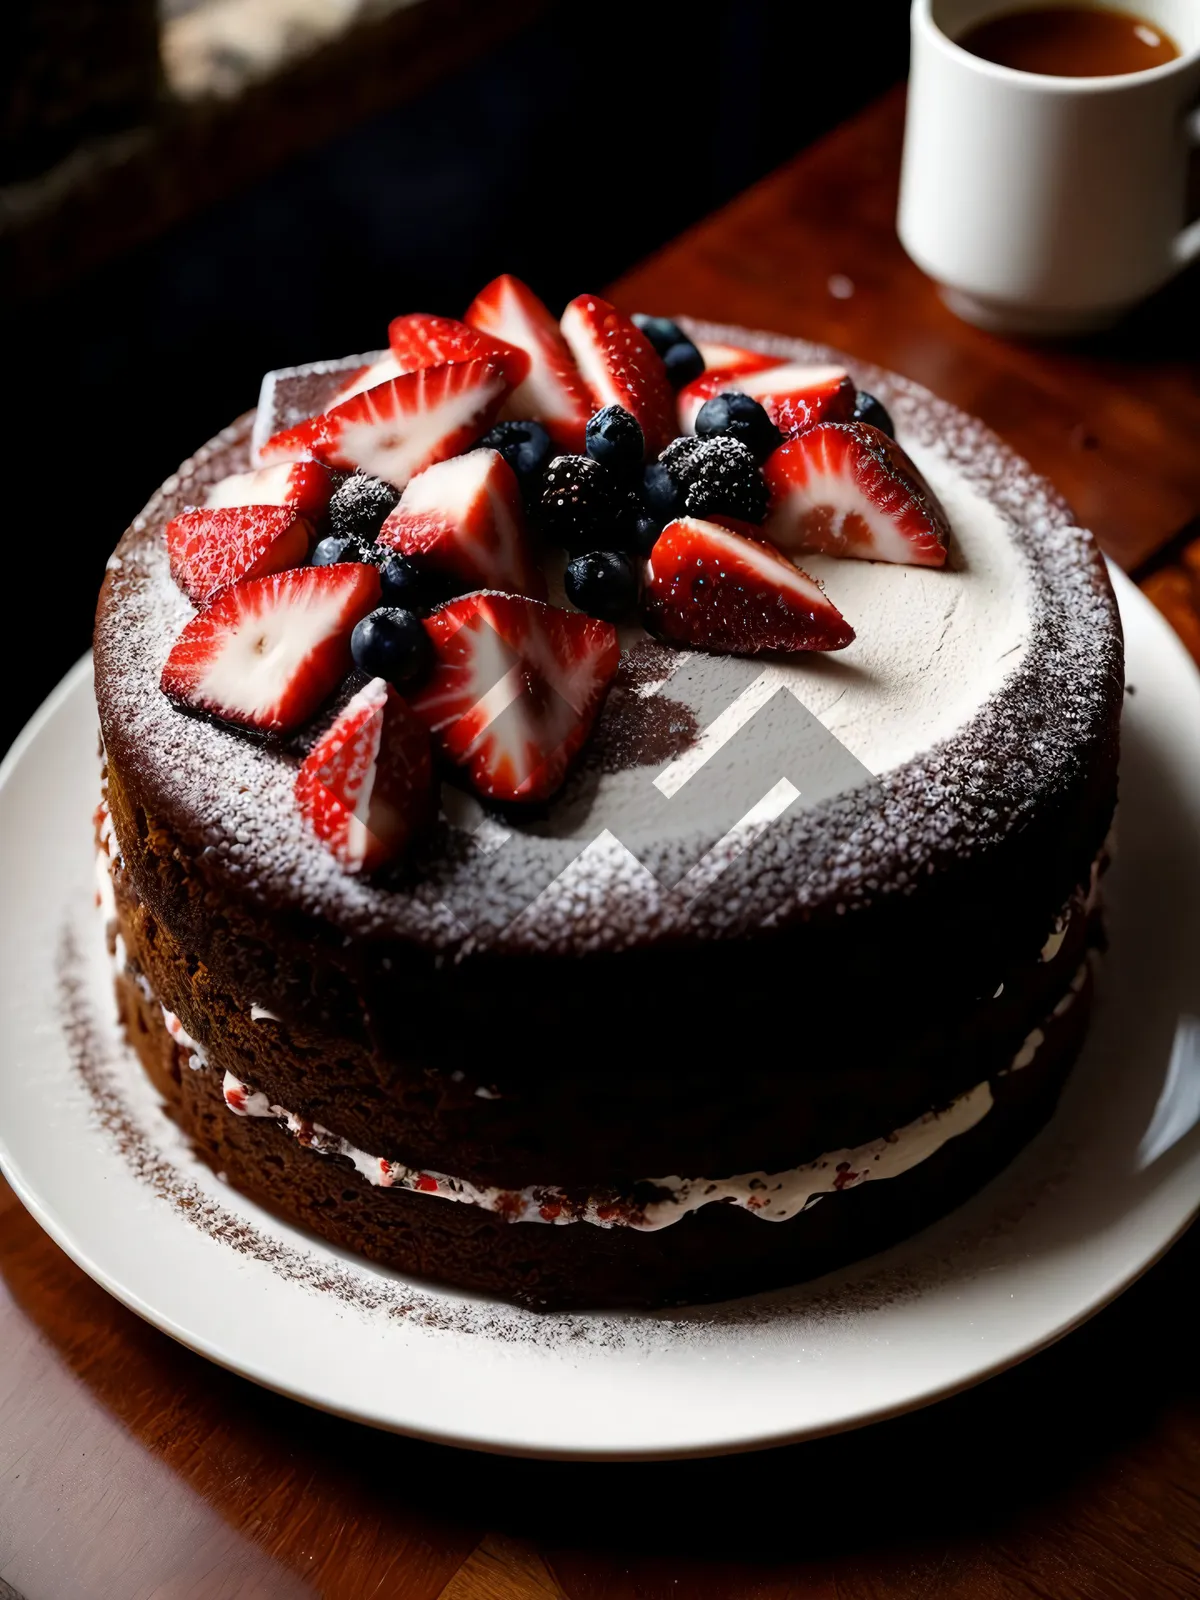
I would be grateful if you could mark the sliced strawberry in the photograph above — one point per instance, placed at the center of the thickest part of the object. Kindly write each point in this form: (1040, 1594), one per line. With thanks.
(366, 786)
(846, 489)
(303, 484)
(733, 358)
(268, 651)
(710, 587)
(364, 378)
(621, 367)
(464, 518)
(211, 549)
(553, 393)
(404, 425)
(420, 340)
(515, 690)
(793, 396)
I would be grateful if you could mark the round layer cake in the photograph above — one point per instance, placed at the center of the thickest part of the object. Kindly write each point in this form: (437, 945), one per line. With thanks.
(794, 961)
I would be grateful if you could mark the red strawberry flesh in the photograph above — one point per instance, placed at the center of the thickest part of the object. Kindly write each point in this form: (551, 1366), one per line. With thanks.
(552, 393)
(268, 651)
(404, 425)
(793, 396)
(621, 367)
(710, 587)
(515, 690)
(846, 489)
(464, 518)
(419, 340)
(366, 786)
(303, 484)
(211, 549)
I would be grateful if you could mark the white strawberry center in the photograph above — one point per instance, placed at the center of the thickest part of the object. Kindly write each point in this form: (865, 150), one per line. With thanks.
(541, 393)
(379, 372)
(357, 786)
(719, 543)
(269, 486)
(397, 447)
(451, 488)
(253, 664)
(591, 359)
(462, 492)
(791, 379)
(853, 517)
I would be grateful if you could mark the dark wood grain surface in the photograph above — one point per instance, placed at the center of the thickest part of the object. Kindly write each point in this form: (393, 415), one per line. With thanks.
(131, 1468)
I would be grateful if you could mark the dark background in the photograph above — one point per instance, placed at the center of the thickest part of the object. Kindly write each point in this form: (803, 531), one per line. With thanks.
(564, 155)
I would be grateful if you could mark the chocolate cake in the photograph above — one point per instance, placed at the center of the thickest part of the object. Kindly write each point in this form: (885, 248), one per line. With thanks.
(762, 944)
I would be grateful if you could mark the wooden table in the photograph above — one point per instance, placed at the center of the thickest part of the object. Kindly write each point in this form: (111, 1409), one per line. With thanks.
(131, 1468)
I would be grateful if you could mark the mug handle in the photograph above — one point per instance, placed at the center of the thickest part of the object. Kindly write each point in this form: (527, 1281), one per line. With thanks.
(1187, 244)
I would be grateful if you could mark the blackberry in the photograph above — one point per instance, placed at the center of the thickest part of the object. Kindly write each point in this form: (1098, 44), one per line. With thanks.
(616, 441)
(580, 504)
(359, 505)
(736, 416)
(525, 445)
(723, 480)
(873, 412)
(603, 583)
(678, 456)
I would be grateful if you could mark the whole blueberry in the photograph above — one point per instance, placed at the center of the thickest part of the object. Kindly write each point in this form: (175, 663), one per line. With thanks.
(616, 441)
(734, 415)
(360, 504)
(873, 412)
(661, 493)
(338, 547)
(391, 643)
(403, 583)
(661, 331)
(603, 583)
(643, 535)
(683, 363)
(635, 530)
(525, 445)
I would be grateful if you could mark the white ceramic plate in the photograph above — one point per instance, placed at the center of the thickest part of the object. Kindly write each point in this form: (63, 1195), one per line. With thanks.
(1104, 1191)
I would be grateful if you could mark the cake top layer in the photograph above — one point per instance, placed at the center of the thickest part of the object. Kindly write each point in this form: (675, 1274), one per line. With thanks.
(719, 793)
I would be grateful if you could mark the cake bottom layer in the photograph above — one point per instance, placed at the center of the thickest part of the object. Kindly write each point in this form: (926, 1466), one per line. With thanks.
(714, 1253)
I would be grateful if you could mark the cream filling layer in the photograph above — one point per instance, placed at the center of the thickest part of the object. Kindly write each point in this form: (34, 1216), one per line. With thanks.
(658, 1202)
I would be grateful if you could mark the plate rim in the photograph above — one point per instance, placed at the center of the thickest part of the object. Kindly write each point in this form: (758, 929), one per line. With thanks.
(1113, 1284)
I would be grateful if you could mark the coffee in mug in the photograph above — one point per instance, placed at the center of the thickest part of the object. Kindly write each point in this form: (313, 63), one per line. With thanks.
(1079, 41)
(1041, 201)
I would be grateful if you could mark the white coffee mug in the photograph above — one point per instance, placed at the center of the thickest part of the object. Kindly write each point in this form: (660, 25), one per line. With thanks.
(1040, 204)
